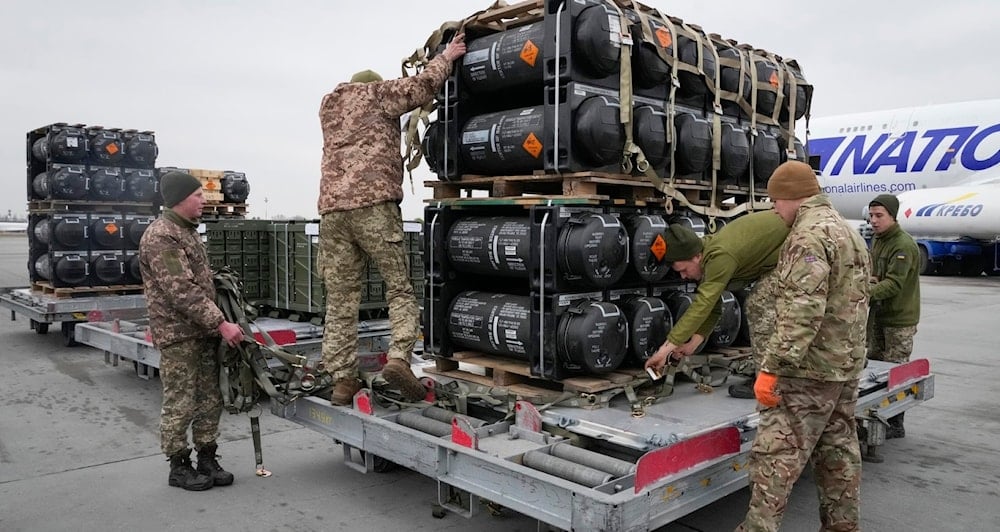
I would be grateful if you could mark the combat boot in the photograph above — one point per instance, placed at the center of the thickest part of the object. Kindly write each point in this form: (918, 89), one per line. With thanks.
(743, 391)
(182, 475)
(209, 466)
(895, 428)
(343, 391)
(400, 376)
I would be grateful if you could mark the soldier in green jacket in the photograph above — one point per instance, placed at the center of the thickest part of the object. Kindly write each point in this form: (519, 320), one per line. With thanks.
(744, 251)
(807, 383)
(895, 293)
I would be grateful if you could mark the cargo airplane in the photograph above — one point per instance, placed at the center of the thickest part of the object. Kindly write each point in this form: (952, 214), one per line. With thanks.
(942, 161)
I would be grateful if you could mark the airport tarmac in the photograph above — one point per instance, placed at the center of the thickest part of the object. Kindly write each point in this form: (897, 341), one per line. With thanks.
(79, 447)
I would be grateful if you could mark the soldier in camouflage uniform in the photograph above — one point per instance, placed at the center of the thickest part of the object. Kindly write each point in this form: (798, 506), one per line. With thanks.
(359, 196)
(807, 384)
(744, 250)
(186, 326)
(895, 294)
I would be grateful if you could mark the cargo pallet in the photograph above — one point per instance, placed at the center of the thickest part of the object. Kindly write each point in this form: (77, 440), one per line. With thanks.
(224, 210)
(46, 287)
(687, 451)
(43, 309)
(681, 453)
(593, 187)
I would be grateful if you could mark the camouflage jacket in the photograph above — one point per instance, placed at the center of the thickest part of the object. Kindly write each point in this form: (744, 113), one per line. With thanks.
(822, 305)
(896, 265)
(740, 252)
(177, 281)
(362, 165)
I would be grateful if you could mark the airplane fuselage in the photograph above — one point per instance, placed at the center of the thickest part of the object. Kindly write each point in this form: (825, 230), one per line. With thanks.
(866, 154)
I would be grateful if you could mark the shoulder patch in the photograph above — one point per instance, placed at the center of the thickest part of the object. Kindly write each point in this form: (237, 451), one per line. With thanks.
(172, 260)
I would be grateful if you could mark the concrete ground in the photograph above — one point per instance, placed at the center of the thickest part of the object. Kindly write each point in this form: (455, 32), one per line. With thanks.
(79, 447)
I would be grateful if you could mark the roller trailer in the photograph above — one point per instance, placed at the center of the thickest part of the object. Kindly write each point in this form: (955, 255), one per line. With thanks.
(627, 470)
(43, 309)
(572, 468)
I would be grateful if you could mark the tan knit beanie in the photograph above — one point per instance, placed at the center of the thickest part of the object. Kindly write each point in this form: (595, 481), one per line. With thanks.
(792, 180)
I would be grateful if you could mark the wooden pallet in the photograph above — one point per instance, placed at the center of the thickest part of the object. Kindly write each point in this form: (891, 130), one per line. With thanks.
(56, 206)
(515, 376)
(507, 17)
(46, 287)
(224, 210)
(579, 185)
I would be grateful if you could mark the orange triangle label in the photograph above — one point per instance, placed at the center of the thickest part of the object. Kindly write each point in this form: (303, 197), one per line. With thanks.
(209, 185)
(774, 79)
(532, 145)
(529, 53)
(111, 228)
(658, 247)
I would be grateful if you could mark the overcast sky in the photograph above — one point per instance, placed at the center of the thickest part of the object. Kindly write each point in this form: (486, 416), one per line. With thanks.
(237, 84)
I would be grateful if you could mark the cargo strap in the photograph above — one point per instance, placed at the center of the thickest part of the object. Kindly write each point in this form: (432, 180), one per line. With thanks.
(244, 373)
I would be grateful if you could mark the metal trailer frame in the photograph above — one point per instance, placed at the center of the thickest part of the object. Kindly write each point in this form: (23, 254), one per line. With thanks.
(45, 309)
(122, 339)
(689, 450)
(694, 449)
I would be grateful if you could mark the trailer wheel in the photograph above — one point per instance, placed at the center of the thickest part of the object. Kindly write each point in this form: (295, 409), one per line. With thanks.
(67, 330)
(39, 327)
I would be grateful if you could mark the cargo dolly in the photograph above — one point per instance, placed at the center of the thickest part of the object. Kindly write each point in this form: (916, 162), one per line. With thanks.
(580, 469)
(44, 309)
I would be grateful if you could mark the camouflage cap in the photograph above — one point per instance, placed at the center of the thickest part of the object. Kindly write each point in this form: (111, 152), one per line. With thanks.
(682, 243)
(366, 76)
(890, 202)
(175, 186)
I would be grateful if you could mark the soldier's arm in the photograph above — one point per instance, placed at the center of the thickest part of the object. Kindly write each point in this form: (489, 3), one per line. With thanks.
(404, 94)
(706, 308)
(801, 304)
(899, 265)
(172, 271)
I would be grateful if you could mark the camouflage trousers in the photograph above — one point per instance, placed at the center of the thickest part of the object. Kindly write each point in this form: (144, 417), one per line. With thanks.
(189, 371)
(814, 422)
(347, 239)
(761, 315)
(892, 344)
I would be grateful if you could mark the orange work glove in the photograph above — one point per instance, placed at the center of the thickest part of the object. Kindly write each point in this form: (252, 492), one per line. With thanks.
(765, 389)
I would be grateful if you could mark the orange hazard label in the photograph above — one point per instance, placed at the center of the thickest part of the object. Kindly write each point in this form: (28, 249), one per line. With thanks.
(658, 247)
(112, 148)
(774, 79)
(111, 229)
(529, 53)
(532, 145)
(663, 35)
(209, 185)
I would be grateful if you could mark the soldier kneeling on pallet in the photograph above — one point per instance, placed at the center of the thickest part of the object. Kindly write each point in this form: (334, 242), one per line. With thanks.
(744, 251)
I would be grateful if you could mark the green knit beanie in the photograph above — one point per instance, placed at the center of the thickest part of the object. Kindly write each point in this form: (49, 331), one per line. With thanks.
(682, 243)
(366, 76)
(176, 186)
(890, 202)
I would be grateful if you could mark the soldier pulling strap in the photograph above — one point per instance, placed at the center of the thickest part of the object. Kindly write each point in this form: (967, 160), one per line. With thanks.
(244, 373)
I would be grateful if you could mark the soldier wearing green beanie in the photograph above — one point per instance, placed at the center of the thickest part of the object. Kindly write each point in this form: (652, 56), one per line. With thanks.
(895, 295)
(186, 326)
(744, 251)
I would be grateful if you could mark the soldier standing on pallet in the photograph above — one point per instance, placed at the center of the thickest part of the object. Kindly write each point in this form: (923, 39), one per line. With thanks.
(807, 383)
(360, 191)
(895, 294)
(186, 326)
(744, 250)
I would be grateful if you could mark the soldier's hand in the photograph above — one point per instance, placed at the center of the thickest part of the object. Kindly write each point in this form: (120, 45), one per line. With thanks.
(766, 389)
(690, 346)
(231, 333)
(455, 48)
